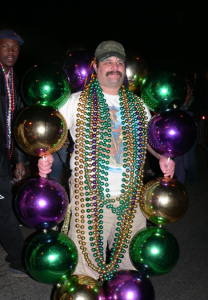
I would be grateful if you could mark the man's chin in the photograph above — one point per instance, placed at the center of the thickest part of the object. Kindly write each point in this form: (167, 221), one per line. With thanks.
(117, 80)
(10, 64)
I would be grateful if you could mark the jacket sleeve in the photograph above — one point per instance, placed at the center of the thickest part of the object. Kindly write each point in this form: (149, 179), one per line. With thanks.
(19, 155)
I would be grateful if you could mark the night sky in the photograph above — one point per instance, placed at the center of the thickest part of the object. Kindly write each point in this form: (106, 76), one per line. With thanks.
(163, 34)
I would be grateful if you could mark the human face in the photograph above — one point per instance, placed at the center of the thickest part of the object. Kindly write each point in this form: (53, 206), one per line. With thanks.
(110, 74)
(9, 52)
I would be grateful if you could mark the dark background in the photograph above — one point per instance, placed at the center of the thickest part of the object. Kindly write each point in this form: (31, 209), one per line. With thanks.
(172, 34)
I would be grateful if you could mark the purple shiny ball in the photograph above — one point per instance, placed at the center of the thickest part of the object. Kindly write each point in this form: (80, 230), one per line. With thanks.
(129, 285)
(172, 133)
(41, 203)
(76, 67)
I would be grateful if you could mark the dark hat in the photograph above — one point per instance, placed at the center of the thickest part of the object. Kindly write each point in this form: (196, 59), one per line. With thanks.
(11, 35)
(110, 48)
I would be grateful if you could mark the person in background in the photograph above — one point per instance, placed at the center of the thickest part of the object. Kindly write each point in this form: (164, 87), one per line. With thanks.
(186, 165)
(11, 236)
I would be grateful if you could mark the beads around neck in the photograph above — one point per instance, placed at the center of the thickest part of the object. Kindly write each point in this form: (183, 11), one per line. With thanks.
(9, 107)
(92, 154)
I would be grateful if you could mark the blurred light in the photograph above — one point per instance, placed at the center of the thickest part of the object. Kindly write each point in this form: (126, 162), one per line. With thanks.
(130, 295)
(46, 87)
(80, 298)
(52, 257)
(203, 117)
(172, 132)
(42, 203)
(164, 91)
(83, 72)
(41, 129)
(154, 250)
(163, 200)
(144, 80)
(128, 72)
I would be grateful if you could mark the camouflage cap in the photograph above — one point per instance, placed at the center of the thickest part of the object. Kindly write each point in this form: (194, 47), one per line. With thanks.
(110, 48)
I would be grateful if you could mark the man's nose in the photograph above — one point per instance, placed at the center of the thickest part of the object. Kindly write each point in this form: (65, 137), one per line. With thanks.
(115, 66)
(10, 50)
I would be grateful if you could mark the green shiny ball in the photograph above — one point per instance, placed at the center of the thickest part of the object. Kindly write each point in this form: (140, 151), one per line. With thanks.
(51, 257)
(163, 90)
(46, 85)
(154, 251)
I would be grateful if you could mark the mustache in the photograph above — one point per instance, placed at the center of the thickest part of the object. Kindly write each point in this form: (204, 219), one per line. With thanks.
(114, 72)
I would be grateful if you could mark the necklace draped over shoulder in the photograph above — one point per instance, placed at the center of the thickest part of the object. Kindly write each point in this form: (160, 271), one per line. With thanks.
(92, 193)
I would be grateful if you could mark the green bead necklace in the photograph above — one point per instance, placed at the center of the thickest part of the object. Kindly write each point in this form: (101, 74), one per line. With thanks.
(92, 192)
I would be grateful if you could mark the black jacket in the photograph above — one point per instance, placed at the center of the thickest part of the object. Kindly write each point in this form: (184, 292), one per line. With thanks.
(19, 156)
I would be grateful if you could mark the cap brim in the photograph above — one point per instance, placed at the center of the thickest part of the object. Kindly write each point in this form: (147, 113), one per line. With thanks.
(104, 56)
(21, 42)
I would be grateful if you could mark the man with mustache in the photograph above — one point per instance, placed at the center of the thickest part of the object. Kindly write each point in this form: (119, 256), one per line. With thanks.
(104, 191)
(11, 236)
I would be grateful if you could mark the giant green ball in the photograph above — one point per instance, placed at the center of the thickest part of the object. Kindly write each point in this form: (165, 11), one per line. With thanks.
(51, 257)
(162, 90)
(154, 251)
(46, 85)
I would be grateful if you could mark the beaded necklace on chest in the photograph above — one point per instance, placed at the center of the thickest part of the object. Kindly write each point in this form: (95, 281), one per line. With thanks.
(9, 107)
(92, 154)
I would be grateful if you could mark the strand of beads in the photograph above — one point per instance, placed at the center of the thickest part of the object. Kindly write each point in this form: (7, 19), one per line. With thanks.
(126, 213)
(80, 166)
(98, 114)
(124, 210)
(9, 108)
(93, 117)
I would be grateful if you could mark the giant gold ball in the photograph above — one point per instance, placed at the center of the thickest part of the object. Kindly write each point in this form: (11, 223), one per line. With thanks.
(136, 70)
(40, 129)
(79, 287)
(164, 201)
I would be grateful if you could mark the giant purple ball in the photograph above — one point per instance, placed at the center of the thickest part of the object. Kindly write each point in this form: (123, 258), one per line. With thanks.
(129, 284)
(172, 133)
(76, 67)
(41, 203)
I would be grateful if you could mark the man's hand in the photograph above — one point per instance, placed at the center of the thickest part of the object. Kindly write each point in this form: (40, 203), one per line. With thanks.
(19, 172)
(45, 164)
(167, 166)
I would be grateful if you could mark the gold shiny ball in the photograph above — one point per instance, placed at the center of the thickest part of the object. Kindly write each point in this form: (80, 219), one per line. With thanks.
(164, 201)
(40, 129)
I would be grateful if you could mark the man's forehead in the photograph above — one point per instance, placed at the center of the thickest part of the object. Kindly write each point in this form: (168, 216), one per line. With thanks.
(9, 41)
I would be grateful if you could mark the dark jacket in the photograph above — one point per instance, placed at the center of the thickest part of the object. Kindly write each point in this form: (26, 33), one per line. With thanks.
(19, 156)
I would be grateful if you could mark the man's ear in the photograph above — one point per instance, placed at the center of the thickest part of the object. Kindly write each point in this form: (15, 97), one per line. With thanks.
(95, 66)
